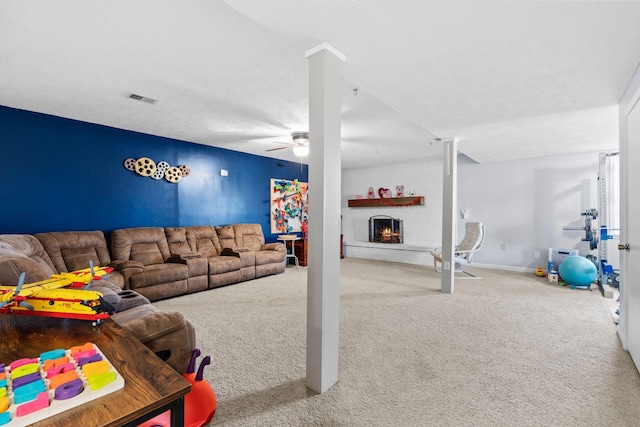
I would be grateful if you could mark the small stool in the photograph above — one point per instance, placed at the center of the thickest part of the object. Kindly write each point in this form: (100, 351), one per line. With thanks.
(291, 238)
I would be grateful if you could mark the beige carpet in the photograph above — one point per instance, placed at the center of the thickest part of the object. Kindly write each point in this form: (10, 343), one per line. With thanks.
(508, 350)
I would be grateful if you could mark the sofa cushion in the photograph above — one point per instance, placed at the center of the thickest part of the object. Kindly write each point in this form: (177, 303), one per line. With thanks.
(146, 253)
(75, 250)
(177, 239)
(206, 248)
(224, 264)
(269, 257)
(26, 246)
(204, 239)
(249, 236)
(158, 274)
(252, 241)
(76, 258)
(126, 242)
(12, 267)
(226, 236)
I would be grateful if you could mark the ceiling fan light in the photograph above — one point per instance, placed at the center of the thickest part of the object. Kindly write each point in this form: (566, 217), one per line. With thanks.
(301, 150)
(300, 137)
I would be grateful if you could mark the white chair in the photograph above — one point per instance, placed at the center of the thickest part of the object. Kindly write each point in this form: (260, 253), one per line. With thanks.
(463, 254)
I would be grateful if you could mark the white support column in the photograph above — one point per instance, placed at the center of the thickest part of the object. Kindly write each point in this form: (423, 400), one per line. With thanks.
(449, 207)
(323, 273)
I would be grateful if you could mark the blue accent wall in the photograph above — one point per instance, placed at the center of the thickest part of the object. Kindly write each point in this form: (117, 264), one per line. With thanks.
(59, 175)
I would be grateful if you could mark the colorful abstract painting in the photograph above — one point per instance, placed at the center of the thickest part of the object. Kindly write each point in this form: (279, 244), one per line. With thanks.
(289, 209)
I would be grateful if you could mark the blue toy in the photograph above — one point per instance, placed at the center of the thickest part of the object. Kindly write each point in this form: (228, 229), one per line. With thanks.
(578, 271)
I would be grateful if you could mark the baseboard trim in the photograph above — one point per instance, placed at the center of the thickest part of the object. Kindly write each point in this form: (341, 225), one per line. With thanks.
(466, 266)
(622, 337)
(503, 267)
(389, 246)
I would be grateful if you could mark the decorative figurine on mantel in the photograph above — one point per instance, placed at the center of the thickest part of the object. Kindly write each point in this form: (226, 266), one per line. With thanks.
(371, 194)
(399, 190)
(384, 193)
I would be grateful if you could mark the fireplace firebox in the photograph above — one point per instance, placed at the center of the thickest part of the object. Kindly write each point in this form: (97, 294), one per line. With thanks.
(385, 229)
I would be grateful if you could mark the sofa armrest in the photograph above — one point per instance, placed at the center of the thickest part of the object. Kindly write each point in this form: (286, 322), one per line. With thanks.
(247, 256)
(121, 265)
(169, 335)
(280, 247)
(184, 256)
(154, 325)
(127, 269)
(234, 251)
(194, 261)
(121, 300)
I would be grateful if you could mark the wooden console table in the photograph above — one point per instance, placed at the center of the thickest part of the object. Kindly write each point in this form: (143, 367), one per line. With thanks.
(301, 249)
(151, 386)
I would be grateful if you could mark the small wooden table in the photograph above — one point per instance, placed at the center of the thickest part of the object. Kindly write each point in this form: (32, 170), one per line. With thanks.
(302, 249)
(291, 238)
(151, 386)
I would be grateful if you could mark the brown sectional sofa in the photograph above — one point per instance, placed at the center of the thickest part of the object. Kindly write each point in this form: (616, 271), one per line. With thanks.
(166, 262)
(151, 263)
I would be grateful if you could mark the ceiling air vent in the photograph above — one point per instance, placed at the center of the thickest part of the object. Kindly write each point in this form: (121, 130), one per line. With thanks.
(143, 98)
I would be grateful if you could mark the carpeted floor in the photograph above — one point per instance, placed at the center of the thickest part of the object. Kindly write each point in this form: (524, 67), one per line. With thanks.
(508, 350)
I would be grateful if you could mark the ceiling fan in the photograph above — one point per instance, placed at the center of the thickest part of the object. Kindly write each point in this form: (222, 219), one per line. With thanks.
(300, 144)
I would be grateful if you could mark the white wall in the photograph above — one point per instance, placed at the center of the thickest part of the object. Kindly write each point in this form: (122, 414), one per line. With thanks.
(422, 224)
(525, 205)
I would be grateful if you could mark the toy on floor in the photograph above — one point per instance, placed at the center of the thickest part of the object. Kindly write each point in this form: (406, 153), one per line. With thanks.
(199, 404)
(578, 271)
(33, 389)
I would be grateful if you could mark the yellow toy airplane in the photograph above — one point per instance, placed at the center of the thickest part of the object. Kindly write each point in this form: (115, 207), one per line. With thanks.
(54, 298)
(83, 278)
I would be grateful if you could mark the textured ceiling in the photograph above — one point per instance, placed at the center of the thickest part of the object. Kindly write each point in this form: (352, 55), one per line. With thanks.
(509, 79)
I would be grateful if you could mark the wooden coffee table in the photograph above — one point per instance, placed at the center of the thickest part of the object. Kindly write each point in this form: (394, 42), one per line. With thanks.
(151, 386)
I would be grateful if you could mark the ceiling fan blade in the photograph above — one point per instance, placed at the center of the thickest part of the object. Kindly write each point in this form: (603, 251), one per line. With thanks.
(279, 148)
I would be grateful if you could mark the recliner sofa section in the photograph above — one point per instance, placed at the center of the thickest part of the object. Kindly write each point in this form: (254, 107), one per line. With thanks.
(166, 262)
(143, 257)
(222, 270)
(181, 252)
(247, 242)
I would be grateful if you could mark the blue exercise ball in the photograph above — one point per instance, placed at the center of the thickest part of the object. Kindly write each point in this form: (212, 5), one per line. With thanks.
(578, 271)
